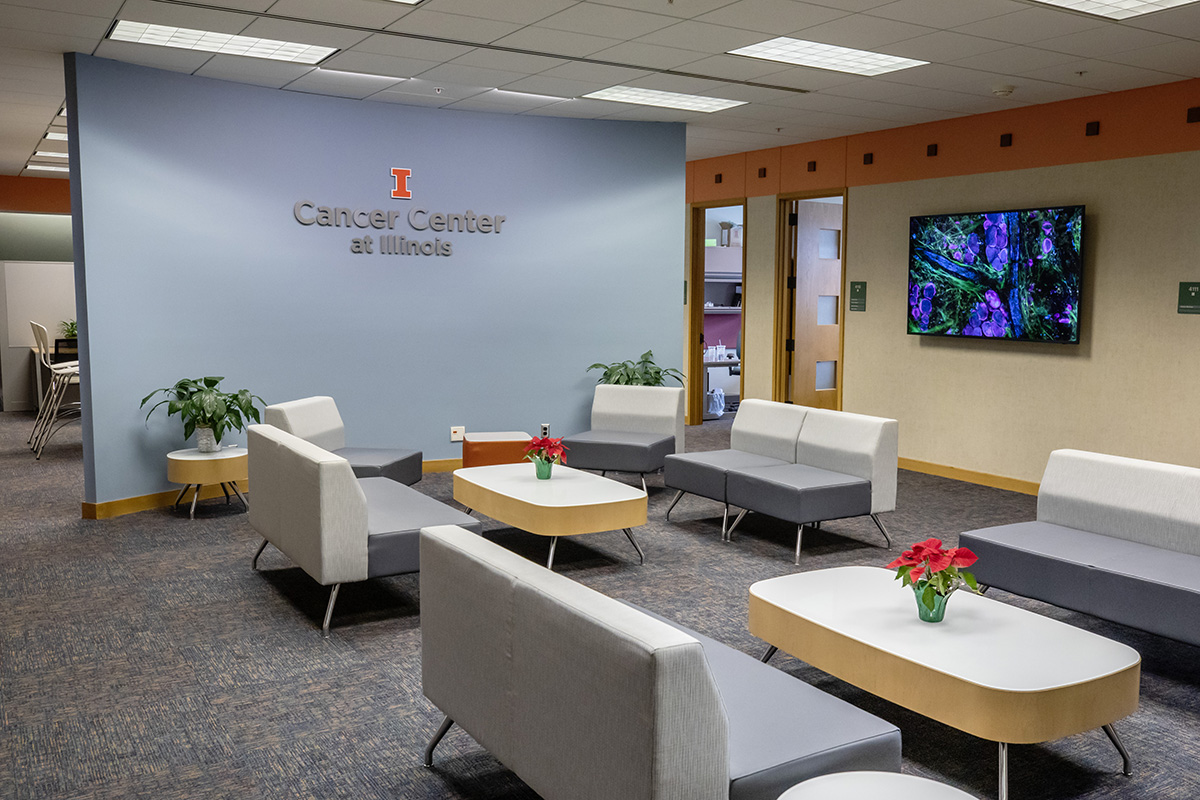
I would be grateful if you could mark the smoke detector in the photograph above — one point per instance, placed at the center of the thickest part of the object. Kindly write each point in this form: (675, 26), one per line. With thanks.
(1003, 90)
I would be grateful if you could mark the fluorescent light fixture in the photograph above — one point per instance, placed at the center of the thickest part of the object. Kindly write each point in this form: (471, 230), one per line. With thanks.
(50, 154)
(56, 136)
(62, 112)
(826, 56)
(653, 97)
(1117, 9)
(48, 167)
(226, 43)
(406, 2)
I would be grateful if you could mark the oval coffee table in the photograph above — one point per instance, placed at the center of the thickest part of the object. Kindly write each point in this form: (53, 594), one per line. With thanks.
(570, 503)
(864, 785)
(990, 669)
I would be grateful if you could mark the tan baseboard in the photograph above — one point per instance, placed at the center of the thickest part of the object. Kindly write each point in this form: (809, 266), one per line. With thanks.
(132, 505)
(970, 476)
(145, 502)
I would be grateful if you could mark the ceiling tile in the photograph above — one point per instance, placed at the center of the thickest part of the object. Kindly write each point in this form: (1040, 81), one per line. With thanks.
(675, 83)
(242, 5)
(701, 36)
(390, 44)
(771, 16)
(96, 8)
(23, 18)
(367, 13)
(942, 47)
(441, 90)
(1180, 58)
(958, 102)
(430, 101)
(615, 23)
(453, 26)
(31, 79)
(946, 13)
(648, 55)
(808, 79)
(1031, 25)
(375, 64)
(1015, 59)
(257, 71)
(753, 94)
(523, 12)
(510, 62)
(813, 101)
(556, 87)
(184, 16)
(33, 59)
(943, 76)
(505, 102)
(168, 58)
(684, 9)
(471, 76)
(545, 40)
(735, 68)
(306, 33)
(655, 114)
(1105, 41)
(862, 32)
(595, 73)
(1102, 75)
(1182, 21)
(46, 42)
(576, 109)
(341, 84)
(867, 89)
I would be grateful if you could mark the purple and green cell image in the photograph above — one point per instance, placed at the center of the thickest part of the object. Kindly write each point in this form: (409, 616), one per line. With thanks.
(997, 275)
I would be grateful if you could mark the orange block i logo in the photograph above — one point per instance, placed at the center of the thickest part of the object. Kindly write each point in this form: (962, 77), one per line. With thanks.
(401, 191)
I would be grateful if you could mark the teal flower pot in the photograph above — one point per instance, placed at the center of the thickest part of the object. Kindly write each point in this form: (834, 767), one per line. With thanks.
(542, 467)
(937, 613)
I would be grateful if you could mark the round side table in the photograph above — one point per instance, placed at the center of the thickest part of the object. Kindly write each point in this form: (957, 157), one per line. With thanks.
(192, 468)
(854, 785)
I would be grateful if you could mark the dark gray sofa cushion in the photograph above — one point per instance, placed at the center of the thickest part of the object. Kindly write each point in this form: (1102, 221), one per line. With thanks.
(620, 451)
(798, 493)
(1135, 584)
(704, 473)
(395, 516)
(783, 731)
(403, 466)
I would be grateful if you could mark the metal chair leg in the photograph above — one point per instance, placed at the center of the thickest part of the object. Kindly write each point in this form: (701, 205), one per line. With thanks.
(329, 609)
(882, 530)
(736, 520)
(799, 536)
(678, 495)
(724, 523)
(644, 483)
(437, 737)
(636, 546)
(550, 558)
(257, 553)
(1127, 765)
(772, 650)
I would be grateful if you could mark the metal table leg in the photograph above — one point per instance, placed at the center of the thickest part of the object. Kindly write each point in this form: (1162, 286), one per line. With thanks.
(636, 546)
(1003, 791)
(772, 650)
(550, 559)
(1116, 740)
(195, 497)
(242, 497)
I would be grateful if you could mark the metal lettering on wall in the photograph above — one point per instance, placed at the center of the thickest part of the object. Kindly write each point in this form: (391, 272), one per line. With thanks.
(308, 213)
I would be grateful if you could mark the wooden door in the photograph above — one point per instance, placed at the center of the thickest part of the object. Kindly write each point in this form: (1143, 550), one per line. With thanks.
(816, 325)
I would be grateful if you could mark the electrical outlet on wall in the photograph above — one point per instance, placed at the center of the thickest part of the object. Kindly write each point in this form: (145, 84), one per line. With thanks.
(545, 429)
(457, 432)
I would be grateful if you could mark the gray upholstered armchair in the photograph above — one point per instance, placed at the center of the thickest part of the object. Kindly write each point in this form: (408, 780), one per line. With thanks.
(634, 428)
(316, 420)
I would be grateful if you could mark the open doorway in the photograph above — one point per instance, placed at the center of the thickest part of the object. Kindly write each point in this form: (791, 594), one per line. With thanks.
(810, 342)
(718, 265)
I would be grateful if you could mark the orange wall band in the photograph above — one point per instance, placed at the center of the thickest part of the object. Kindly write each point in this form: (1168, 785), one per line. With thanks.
(1137, 122)
(35, 195)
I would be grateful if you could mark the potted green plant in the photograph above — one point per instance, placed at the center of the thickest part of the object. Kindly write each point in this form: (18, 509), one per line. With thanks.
(206, 410)
(69, 329)
(643, 372)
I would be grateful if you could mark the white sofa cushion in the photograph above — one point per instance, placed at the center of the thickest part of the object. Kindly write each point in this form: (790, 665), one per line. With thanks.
(767, 428)
(639, 409)
(314, 419)
(853, 444)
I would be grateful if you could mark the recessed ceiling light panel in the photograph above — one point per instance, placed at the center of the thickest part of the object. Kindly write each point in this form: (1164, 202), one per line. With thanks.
(653, 97)
(48, 167)
(826, 56)
(55, 135)
(50, 154)
(225, 43)
(1117, 9)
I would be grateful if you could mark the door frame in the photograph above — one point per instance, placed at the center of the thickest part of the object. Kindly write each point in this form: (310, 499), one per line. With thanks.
(693, 352)
(785, 298)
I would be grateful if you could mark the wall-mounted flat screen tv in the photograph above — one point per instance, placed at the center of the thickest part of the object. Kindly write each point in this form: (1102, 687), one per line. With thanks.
(997, 275)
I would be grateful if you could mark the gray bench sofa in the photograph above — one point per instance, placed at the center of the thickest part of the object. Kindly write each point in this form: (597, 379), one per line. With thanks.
(803, 465)
(1117, 538)
(316, 420)
(334, 526)
(588, 698)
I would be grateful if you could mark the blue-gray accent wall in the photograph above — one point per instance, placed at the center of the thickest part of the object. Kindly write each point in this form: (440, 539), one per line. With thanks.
(190, 262)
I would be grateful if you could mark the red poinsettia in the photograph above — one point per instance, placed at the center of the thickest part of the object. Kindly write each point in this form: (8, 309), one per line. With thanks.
(935, 569)
(545, 449)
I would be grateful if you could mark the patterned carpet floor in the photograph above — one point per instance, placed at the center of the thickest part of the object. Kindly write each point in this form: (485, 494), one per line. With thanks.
(141, 657)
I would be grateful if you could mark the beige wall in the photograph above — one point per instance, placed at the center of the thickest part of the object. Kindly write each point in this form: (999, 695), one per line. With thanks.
(1132, 385)
(758, 298)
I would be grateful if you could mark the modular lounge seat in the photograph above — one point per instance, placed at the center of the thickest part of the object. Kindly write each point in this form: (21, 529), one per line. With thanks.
(316, 420)
(336, 527)
(588, 698)
(1117, 538)
(634, 428)
(803, 465)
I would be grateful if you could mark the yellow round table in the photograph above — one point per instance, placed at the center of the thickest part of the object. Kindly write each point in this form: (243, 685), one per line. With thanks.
(192, 468)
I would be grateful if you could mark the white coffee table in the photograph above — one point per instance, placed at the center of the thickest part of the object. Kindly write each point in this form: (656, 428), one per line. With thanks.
(870, 785)
(992, 670)
(572, 502)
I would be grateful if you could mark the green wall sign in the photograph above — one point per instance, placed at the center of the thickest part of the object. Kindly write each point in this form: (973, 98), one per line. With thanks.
(1189, 297)
(858, 295)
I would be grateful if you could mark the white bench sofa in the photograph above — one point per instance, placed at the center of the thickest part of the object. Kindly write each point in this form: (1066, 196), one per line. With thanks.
(1117, 538)
(316, 419)
(804, 465)
(588, 698)
(634, 428)
(334, 526)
